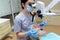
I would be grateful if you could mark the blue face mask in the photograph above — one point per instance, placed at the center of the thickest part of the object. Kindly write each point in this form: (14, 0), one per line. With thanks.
(29, 9)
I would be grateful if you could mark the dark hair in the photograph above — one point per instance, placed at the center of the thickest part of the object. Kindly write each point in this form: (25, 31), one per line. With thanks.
(23, 1)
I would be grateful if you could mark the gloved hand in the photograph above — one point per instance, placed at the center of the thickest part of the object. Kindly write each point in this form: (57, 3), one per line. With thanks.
(44, 23)
(33, 33)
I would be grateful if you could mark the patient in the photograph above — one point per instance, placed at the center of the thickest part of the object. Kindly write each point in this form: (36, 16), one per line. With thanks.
(41, 30)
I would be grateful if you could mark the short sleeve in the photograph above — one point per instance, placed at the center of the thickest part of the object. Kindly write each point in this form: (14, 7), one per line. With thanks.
(17, 25)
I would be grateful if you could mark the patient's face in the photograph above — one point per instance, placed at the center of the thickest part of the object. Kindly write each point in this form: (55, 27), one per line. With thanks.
(35, 26)
(40, 32)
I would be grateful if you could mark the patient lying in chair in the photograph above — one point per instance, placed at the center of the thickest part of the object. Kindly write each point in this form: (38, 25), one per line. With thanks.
(40, 28)
(42, 33)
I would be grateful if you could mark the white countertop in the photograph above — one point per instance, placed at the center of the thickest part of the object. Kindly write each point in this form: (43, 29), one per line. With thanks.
(3, 20)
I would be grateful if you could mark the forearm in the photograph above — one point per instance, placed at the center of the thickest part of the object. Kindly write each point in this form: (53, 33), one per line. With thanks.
(21, 34)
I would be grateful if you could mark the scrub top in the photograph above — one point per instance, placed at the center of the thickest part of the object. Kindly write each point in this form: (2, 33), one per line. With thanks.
(22, 23)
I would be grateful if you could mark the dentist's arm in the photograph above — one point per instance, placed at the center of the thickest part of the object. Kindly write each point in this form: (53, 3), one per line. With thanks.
(21, 34)
(33, 33)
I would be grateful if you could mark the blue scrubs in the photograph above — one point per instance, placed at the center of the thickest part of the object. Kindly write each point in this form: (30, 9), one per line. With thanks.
(22, 23)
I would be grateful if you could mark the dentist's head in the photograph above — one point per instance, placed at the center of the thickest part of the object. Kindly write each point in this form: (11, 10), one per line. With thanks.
(26, 5)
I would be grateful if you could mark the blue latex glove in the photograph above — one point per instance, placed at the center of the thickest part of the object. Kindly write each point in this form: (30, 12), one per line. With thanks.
(44, 23)
(33, 33)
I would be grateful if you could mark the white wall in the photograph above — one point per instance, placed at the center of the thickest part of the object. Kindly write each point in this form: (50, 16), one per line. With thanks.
(5, 7)
(15, 6)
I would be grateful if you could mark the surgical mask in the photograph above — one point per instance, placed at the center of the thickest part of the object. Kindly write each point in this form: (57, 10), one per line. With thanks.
(29, 9)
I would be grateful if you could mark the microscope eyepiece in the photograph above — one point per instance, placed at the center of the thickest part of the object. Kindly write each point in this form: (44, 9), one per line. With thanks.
(39, 11)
